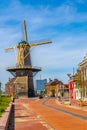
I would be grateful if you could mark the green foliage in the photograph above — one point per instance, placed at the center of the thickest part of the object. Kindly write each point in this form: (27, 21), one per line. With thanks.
(4, 102)
(62, 94)
(0, 92)
(53, 92)
(43, 92)
(0, 84)
(79, 81)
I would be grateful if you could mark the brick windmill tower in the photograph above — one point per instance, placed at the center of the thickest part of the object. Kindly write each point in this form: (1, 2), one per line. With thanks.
(23, 65)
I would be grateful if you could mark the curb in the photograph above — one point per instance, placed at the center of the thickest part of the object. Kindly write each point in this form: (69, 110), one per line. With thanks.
(72, 106)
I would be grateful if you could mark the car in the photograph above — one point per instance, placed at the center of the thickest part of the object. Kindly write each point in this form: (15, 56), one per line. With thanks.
(40, 96)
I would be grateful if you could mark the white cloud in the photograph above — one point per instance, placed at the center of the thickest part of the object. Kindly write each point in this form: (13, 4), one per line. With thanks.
(42, 16)
(67, 49)
(56, 58)
(65, 52)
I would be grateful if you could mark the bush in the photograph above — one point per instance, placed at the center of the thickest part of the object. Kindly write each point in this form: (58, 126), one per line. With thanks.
(4, 102)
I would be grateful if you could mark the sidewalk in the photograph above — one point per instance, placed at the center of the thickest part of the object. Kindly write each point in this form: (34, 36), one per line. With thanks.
(74, 104)
(27, 119)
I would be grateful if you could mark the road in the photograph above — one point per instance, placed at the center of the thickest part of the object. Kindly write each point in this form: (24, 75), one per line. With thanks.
(60, 117)
(52, 115)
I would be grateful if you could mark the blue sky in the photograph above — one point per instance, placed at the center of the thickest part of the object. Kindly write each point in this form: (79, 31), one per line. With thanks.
(62, 21)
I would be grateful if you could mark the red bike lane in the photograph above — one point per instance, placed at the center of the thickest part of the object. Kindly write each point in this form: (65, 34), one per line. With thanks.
(26, 118)
(57, 119)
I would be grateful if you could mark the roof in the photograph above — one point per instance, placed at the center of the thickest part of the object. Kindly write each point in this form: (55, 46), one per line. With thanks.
(54, 82)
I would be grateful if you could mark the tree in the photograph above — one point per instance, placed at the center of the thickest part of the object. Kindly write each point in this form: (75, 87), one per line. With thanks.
(79, 81)
(0, 89)
(43, 92)
(53, 92)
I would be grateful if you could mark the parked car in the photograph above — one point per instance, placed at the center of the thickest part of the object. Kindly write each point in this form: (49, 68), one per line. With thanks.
(40, 96)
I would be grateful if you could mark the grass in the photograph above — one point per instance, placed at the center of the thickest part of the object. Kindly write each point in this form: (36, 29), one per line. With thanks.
(4, 102)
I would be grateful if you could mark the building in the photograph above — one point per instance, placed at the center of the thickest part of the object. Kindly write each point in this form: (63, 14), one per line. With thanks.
(83, 73)
(54, 88)
(17, 87)
(74, 86)
(10, 87)
(40, 85)
(81, 78)
(21, 86)
(79, 81)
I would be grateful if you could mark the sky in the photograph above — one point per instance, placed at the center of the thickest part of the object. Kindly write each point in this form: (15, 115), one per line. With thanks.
(64, 22)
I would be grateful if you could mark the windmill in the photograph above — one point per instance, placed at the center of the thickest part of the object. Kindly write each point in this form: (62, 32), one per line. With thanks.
(23, 64)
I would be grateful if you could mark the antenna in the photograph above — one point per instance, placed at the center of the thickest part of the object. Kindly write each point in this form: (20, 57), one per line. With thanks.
(25, 32)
